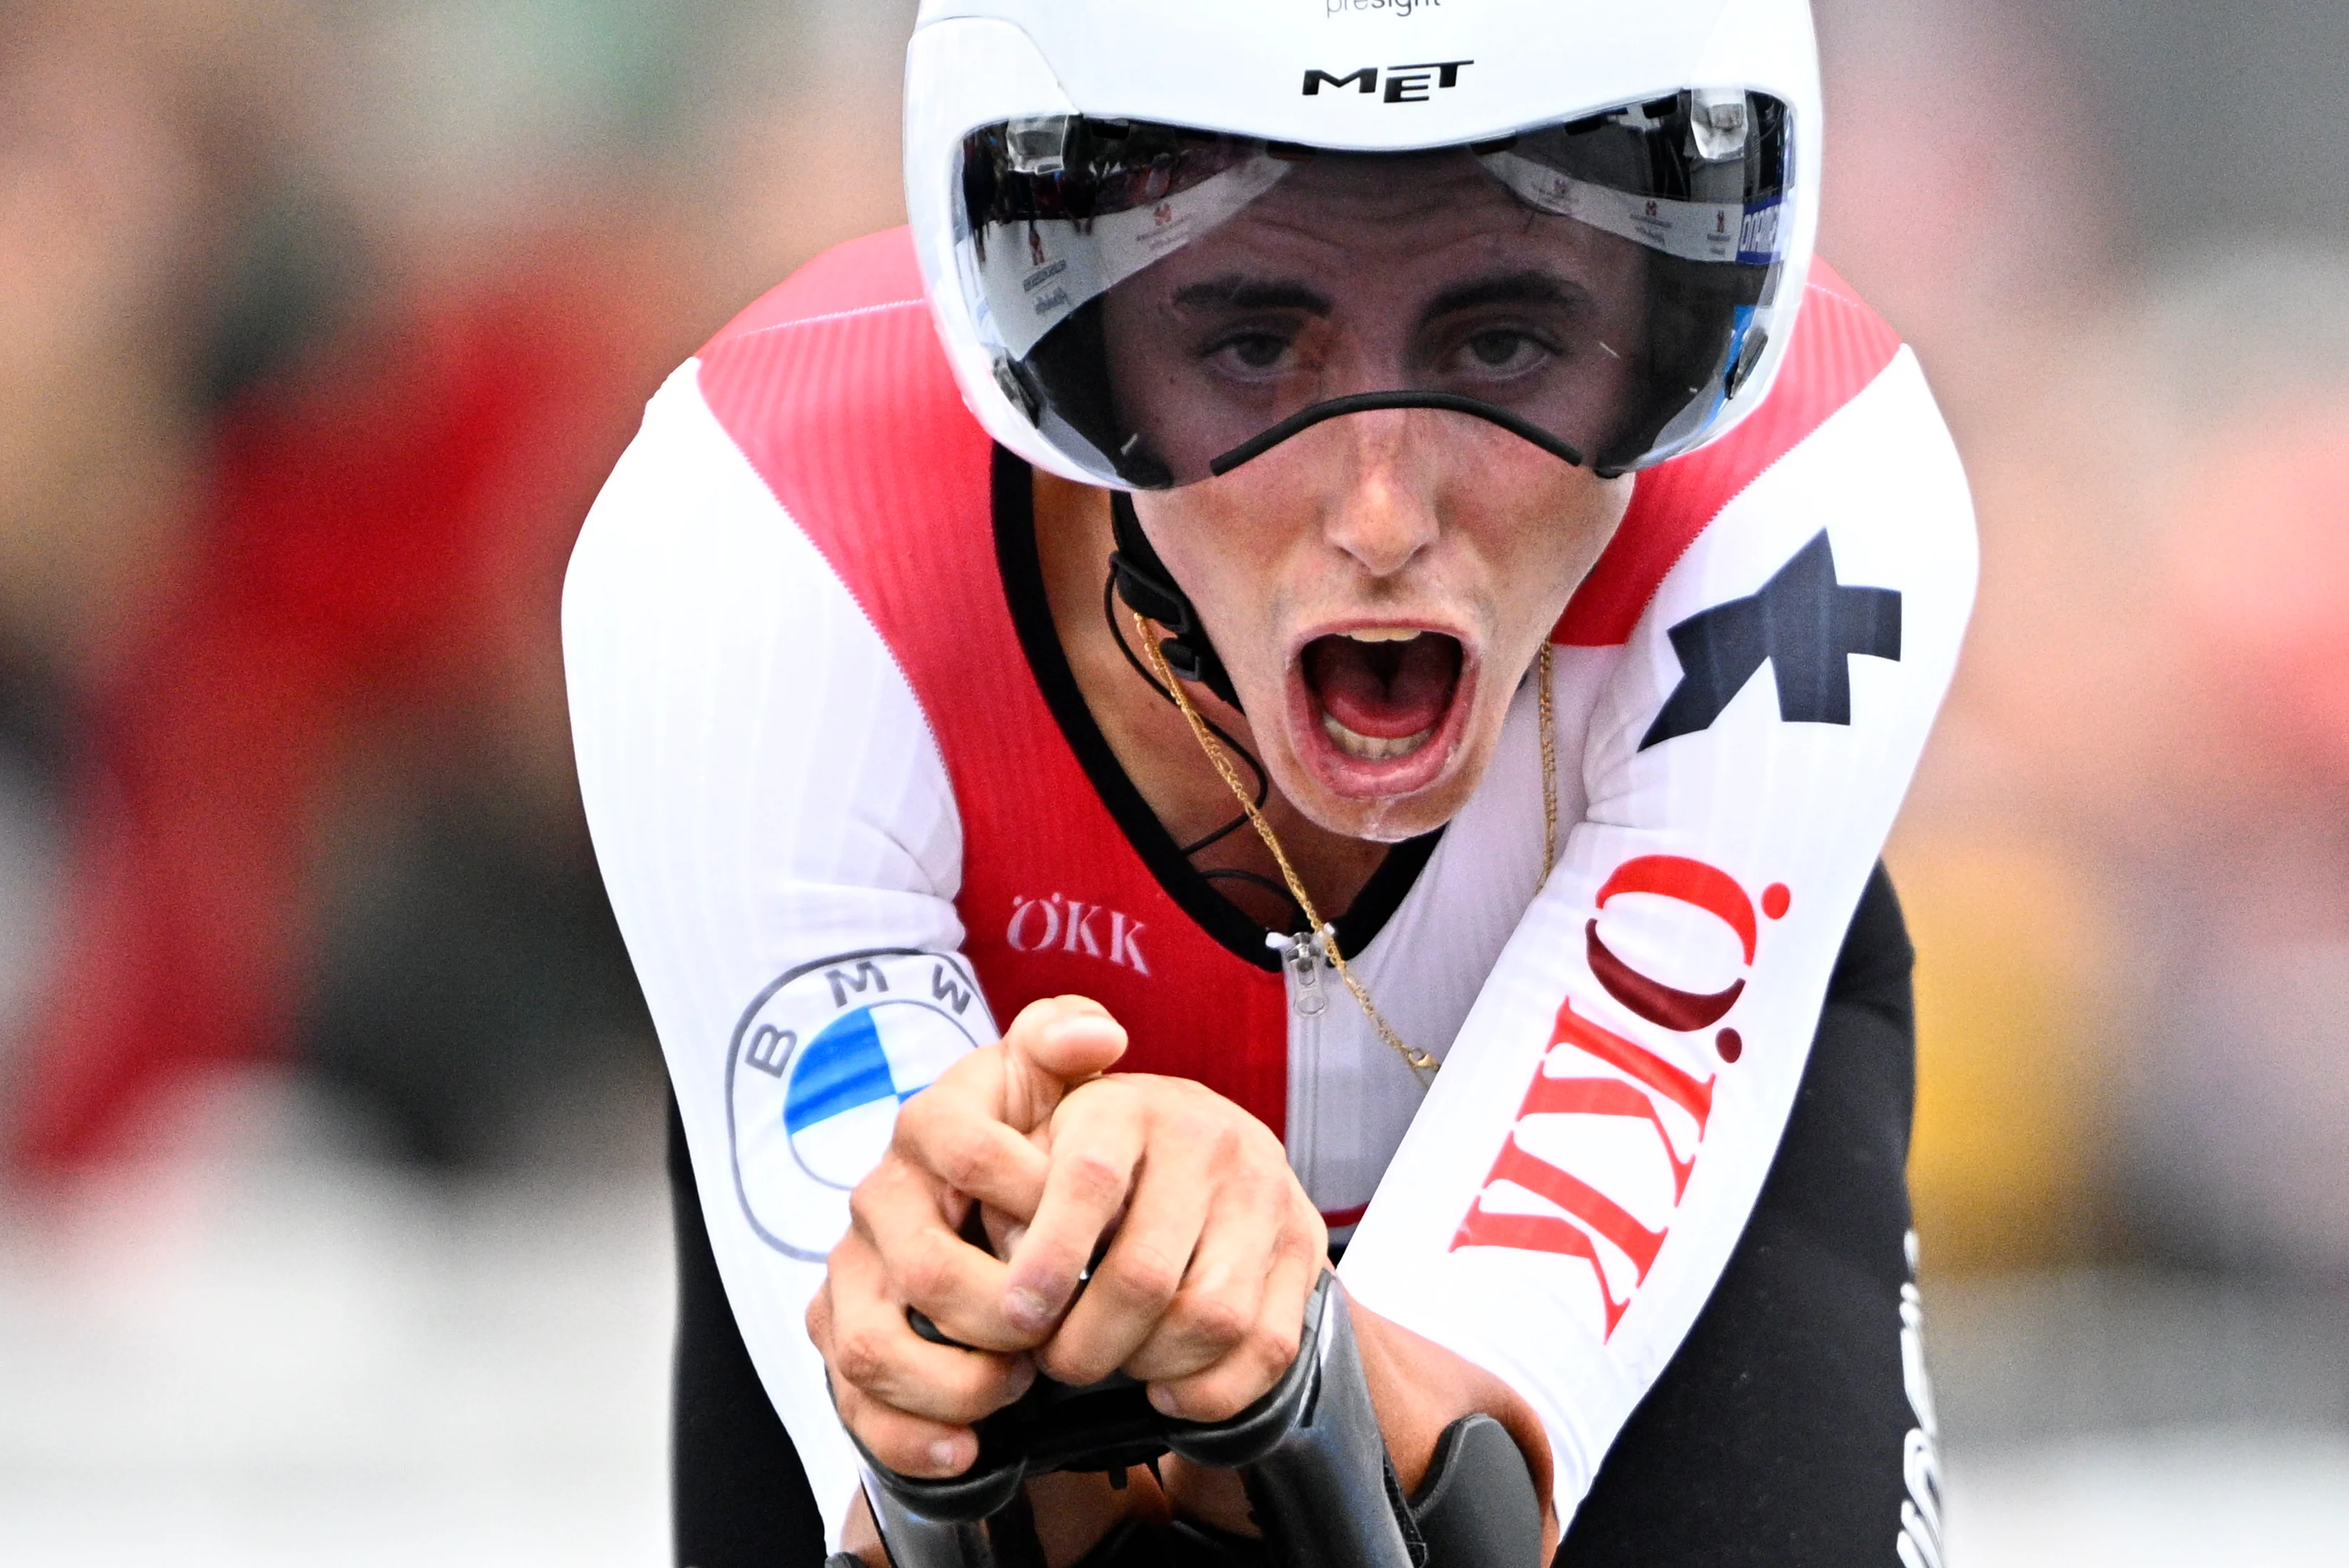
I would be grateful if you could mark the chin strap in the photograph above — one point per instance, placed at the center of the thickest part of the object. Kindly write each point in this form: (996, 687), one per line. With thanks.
(1149, 589)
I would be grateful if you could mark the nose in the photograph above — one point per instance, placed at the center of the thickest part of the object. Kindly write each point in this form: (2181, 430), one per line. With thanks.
(1384, 512)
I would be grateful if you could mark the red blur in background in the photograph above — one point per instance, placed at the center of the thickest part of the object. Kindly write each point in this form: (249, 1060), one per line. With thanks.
(384, 539)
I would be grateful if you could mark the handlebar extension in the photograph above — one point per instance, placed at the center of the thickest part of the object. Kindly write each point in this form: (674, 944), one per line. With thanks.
(1309, 1454)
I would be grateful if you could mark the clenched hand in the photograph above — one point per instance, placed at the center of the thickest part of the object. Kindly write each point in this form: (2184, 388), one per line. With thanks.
(1213, 1245)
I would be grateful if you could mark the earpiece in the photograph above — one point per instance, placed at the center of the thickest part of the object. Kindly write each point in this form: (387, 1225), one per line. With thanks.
(1149, 589)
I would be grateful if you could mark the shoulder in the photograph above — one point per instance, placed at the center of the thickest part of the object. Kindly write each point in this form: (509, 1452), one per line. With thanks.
(809, 505)
(777, 468)
(1843, 355)
(869, 277)
(835, 388)
(838, 368)
(715, 664)
(690, 587)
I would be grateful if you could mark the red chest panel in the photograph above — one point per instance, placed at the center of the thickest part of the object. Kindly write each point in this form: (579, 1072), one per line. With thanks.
(835, 387)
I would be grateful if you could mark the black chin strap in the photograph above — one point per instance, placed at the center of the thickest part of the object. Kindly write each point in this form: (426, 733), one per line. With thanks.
(1150, 590)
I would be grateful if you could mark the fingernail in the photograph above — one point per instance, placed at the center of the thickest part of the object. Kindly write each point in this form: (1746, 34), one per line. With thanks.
(1162, 1401)
(946, 1454)
(1026, 1310)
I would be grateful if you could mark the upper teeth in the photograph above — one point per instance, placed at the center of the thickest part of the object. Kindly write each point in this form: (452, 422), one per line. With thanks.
(1385, 634)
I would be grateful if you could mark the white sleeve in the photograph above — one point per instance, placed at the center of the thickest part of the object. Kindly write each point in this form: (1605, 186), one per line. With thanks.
(1534, 1220)
(779, 838)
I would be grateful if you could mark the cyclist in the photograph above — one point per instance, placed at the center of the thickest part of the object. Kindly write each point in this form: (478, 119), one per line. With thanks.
(1354, 569)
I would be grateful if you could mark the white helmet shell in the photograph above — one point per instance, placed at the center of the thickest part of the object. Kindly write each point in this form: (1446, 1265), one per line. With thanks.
(1364, 76)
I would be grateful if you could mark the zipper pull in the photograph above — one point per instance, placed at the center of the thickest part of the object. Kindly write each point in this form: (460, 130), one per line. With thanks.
(1306, 957)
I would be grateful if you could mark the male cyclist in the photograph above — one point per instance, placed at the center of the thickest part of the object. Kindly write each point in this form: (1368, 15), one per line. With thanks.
(1354, 581)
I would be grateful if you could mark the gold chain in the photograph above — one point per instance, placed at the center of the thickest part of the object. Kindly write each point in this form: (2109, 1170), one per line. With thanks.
(1549, 762)
(1420, 1062)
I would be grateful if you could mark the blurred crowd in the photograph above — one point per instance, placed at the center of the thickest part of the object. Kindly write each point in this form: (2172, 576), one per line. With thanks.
(2115, 233)
(321, 324)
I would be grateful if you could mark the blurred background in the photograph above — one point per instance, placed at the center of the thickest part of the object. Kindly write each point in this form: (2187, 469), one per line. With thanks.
(331, 1223)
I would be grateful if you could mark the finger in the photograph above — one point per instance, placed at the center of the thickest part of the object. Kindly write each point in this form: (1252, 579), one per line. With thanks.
(1097, 1142)
(955, 1132)
(1003, 1231)
(1051, 1047)
(900, 1214)
(967, 1126)
(1221, 1295)
(1258, 1362)
(910, 1445)
(871, 1348)
(1131, 1288)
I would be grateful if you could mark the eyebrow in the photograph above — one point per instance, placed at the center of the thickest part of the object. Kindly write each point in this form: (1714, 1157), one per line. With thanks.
(1510, 288)
(1251, 293)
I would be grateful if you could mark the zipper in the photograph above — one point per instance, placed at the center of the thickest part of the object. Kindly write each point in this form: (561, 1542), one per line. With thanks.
(1305, 963)
(1305, 957)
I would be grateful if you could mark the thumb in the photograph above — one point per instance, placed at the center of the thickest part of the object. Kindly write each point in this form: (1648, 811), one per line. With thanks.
(1051, 1047)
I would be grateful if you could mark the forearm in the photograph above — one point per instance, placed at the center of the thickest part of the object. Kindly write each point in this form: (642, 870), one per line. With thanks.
(1419, 1388)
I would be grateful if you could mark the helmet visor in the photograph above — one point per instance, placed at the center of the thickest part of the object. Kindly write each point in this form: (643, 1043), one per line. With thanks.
(1165, 304)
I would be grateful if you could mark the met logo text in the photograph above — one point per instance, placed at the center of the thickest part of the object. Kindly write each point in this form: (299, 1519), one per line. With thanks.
(1401, 84)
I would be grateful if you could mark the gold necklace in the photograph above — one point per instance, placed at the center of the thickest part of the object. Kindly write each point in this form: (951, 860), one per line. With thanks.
(1549, 761)
(1326, 935)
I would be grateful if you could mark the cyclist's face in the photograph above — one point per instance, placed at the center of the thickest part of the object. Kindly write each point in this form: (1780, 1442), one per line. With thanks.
(1379, 583)
(1377, 587)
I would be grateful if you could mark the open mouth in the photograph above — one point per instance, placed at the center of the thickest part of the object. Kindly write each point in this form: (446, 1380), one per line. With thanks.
(1383, 703)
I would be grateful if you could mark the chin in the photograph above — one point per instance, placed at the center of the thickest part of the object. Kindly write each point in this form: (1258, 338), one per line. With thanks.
(1390, 819)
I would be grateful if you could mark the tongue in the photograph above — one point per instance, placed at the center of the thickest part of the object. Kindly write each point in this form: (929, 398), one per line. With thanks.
(1387, 690)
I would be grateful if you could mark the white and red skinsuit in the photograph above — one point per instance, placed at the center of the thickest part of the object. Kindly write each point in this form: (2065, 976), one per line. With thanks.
(819, 712)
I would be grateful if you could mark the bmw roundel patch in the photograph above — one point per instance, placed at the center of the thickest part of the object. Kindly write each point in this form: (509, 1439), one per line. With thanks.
(818, 1067)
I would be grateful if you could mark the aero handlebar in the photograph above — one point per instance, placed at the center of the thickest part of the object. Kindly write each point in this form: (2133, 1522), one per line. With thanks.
(1309, 1454)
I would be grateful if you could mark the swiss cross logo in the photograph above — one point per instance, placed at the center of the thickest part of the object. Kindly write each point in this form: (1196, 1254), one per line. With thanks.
(1592, 1069)
(1061, 924)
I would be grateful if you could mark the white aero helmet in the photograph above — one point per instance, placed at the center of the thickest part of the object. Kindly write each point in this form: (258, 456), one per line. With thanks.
(1162, 236)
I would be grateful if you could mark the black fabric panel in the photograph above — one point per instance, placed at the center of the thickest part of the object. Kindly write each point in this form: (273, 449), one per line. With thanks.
(738, 1497)
(1774, 1435)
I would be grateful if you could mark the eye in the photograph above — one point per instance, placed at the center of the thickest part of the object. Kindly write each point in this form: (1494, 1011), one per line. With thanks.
(1252, 352)
(1505, 350)
(1260, 351)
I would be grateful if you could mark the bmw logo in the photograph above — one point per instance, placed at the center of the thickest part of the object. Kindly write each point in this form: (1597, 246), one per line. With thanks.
(820, 1064)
